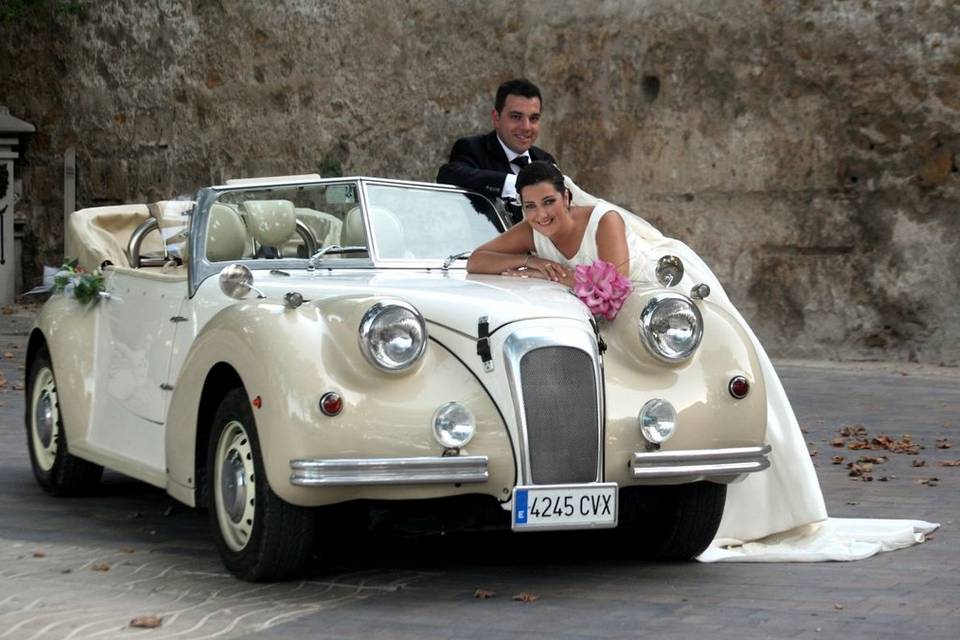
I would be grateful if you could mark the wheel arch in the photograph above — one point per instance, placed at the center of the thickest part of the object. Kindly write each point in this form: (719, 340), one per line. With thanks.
(221, 378)
(35, 342)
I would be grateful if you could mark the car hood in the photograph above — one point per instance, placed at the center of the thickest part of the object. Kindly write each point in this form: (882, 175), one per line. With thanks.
(454, 299)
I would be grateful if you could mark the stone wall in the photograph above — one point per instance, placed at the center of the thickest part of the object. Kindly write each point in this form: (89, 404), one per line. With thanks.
(807, 149)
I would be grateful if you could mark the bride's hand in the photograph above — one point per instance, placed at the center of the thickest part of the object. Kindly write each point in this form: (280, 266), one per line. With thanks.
(543, 269)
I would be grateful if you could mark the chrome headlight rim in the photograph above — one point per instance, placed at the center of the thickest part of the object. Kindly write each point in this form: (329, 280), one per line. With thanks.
(648, 335)
(443, 411)
(649, 429)
(366, 331)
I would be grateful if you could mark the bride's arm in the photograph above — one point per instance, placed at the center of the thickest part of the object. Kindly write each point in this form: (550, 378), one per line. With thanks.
(612, 242)
(509, 252)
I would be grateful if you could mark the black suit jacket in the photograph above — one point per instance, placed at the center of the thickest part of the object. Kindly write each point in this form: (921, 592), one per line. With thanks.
(479, 164)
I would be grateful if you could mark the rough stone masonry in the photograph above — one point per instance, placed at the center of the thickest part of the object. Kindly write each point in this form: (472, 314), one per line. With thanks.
(806, 149)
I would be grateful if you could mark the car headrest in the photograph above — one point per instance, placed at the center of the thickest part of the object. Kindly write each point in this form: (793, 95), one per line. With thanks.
(271, 222)
(352, 235)
(387, 229)
(226, 234)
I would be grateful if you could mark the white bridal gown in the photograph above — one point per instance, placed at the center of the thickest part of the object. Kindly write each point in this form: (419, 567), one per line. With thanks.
(777, 515)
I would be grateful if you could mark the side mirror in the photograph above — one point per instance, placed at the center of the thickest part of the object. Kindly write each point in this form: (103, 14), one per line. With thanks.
(236, 281)
(669, 270)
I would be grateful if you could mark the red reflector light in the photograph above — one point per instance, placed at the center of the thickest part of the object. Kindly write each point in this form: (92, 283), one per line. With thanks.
(331, 403)
(739, 387)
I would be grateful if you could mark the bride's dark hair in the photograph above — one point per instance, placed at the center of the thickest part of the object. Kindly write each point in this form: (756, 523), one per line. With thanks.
(537, 172)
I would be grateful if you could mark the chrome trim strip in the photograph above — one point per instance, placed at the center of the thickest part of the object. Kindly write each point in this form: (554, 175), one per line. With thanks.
(366, 471)
(526, 339)
(699, 462)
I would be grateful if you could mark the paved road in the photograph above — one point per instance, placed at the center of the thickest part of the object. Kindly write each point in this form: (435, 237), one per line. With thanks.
(83, 568)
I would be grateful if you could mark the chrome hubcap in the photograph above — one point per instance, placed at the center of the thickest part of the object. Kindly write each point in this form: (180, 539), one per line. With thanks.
(45, 419)
(234, 485)
(235, 488)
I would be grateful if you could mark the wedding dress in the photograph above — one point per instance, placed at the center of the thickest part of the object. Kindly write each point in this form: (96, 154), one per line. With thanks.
(777, 515)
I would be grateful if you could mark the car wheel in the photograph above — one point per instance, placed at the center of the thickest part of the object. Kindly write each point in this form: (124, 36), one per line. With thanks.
(58, 472)
(674, 522)
(259, 536)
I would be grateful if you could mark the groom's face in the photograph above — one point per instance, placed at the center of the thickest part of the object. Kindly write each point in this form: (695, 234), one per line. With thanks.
(518, 124)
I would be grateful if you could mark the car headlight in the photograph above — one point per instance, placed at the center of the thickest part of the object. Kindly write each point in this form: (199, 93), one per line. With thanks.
(671, 327)
(393, 335)
(453, 425)
(658, 421)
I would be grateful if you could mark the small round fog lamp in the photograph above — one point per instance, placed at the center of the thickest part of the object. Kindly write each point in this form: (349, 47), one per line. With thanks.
(453, 425)
(658, 420)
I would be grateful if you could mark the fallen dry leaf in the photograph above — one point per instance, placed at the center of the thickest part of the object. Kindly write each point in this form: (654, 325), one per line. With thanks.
(18, 386)
(882, 478)
(949, 463)
(837, 606)
(146, 622)
(101, 566)
(853, 431)
(39, 554)
(127, 550)
(872, 459)
(7, 354)
(8, 311)
(859, 468)
(837, 442)
(483, 594)
(943, 443)
(526, 597)
(813, 453)
(837, 459)
(930, 482)
(919, 462)
(855, 445)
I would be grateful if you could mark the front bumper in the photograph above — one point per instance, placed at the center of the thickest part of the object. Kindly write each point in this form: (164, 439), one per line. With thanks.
(699, 463)
(386, 471)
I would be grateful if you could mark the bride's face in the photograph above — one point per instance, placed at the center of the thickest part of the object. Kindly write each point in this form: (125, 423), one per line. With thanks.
(544, 207)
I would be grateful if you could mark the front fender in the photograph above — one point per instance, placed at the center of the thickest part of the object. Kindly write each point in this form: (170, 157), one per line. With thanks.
(288, 358)
(708, 417)
(68, 329)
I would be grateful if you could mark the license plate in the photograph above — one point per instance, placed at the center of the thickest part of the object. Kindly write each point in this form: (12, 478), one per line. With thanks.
(579, 506)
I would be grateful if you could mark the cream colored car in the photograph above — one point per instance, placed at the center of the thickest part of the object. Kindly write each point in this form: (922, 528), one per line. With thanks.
(286, 344)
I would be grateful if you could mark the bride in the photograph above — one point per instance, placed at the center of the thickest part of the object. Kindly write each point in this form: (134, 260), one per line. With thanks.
(774, 516)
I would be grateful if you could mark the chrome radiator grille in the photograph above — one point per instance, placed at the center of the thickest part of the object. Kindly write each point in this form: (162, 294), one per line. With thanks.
(560, 403)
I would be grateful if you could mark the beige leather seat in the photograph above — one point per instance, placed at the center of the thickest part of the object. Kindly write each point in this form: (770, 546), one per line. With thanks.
(387, 228)
(271, 222)
(226, 234)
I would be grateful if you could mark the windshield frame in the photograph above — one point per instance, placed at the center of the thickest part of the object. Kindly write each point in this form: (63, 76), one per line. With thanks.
(200, 268)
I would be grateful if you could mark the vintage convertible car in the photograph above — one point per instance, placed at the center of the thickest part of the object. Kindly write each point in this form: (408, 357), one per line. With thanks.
(283, 345)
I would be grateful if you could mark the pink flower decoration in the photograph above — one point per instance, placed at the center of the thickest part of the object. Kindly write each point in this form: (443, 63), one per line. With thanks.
(601, 287)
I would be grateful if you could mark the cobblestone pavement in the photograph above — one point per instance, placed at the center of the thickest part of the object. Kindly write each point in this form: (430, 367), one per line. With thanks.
(84, 567)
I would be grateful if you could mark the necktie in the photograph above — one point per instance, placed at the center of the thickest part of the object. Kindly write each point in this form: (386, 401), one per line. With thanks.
(521, 161)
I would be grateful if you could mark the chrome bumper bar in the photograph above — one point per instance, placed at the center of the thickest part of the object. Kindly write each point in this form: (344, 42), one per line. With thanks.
(699, 462)
(366, 471)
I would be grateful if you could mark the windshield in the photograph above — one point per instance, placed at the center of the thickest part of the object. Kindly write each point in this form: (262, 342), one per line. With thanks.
(412, 223)
(409, 223)
(291, 221)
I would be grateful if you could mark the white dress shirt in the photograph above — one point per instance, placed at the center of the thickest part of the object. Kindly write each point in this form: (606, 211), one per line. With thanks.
(509, 191)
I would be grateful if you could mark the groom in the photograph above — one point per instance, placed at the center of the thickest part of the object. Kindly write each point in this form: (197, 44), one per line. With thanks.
(489, 163)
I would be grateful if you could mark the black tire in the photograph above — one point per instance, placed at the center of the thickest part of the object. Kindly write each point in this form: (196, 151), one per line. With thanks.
(260, 537)
(673, 522)
(57, 471)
